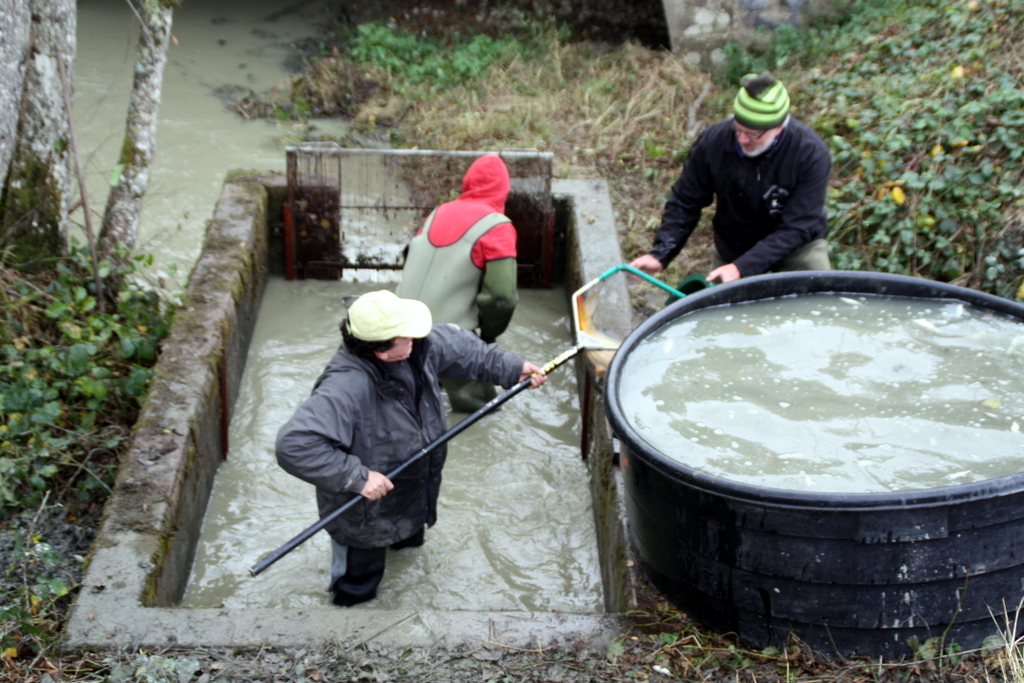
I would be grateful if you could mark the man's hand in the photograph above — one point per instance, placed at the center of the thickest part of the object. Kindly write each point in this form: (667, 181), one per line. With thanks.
(376, 486)
(536, 374)
(726, 273)
(647, 264)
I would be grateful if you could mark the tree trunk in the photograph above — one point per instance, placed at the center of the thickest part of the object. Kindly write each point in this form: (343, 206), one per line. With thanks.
(14, 55)
(36, 193)
(124, 203)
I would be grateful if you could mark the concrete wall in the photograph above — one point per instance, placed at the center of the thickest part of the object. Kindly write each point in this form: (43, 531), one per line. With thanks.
(591, 253)
(141, 558)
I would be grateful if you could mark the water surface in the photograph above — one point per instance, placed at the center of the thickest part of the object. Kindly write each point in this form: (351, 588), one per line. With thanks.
(219, 43)
(834, 393)
(515, 529)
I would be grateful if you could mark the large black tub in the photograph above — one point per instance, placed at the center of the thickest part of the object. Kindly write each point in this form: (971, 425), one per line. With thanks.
(846, 572)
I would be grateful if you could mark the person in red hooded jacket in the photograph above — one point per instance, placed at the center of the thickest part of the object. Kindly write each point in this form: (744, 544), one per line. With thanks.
(462, 265)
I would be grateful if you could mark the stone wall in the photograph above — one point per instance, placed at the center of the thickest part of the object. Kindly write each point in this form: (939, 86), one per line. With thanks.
(695, 29)
(584, 208)
(699, 29)
(608, 19)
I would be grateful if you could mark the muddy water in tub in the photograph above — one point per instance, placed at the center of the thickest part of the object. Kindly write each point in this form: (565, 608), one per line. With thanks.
(834, 393)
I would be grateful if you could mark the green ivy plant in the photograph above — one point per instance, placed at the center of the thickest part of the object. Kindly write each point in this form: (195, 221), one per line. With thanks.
(69, 374)
(417, 60)
(921, 105)
(30, 587)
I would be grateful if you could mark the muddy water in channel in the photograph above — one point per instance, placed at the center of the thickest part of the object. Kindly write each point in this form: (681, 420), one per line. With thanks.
(219, 43)
(515, 528)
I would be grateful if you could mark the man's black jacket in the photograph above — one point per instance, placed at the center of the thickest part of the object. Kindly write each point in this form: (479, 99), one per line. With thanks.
(746, 233)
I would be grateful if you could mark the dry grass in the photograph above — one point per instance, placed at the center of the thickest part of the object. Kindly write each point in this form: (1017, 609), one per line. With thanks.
(1011, 659)
(624, 114)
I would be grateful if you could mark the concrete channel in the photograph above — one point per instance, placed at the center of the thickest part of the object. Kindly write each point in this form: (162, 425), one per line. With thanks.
(140, 562)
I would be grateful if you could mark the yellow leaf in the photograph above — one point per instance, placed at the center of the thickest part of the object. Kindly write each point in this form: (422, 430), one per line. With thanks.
(898, 195)
(11, 653)
(957, 72)
(991, 403)
(937, 150)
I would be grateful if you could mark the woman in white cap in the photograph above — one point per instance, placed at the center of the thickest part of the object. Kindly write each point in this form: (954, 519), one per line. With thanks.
(377, 403)
(767, 174)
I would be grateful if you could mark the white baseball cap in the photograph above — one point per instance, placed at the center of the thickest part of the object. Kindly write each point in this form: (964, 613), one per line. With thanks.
(381, 315)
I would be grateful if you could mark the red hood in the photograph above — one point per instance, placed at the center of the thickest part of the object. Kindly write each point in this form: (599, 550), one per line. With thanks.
(487, 182)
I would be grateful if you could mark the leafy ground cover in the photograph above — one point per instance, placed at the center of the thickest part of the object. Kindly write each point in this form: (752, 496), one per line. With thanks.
(77, 350)
(924, 126)
(919, 102)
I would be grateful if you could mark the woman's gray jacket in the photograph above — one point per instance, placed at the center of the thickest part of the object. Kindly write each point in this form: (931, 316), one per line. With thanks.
(354, 422)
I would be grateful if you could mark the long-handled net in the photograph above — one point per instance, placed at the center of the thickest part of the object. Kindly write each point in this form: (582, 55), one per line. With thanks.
(598, 320)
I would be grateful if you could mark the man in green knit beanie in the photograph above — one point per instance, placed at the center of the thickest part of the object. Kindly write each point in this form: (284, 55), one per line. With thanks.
(767, 174)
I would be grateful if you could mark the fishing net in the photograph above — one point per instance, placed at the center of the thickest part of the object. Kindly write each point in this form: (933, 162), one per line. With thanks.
(609, 307)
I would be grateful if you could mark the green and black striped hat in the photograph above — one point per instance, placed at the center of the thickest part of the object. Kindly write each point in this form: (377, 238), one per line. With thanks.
(761, 103)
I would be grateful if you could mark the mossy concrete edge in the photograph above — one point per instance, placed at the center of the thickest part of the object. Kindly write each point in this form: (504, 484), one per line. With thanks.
(140, 561)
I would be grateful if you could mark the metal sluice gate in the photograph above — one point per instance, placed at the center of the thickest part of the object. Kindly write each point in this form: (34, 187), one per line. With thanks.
(357, 209)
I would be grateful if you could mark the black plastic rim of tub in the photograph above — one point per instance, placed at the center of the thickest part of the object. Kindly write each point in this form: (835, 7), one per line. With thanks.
(775, 285)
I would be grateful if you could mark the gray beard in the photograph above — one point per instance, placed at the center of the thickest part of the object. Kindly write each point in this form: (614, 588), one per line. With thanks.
(764, 149)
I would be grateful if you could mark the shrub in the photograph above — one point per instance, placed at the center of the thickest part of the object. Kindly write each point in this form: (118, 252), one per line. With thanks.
(920, 103)
(70, 376)
(415, 60)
